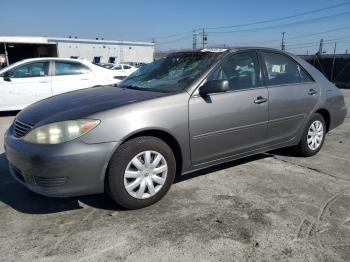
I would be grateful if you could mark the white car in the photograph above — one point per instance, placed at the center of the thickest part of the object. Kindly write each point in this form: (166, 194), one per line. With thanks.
(121, 71)
(30, 80)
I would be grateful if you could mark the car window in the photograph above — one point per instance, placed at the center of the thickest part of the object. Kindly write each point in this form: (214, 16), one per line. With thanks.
(241, 70)
(127, 67)
(304, 77)
(70, 68)
(117, 67)
(283, 70)
(36, 69)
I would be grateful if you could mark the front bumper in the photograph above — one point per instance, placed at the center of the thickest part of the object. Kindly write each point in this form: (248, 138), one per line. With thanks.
(67, 169)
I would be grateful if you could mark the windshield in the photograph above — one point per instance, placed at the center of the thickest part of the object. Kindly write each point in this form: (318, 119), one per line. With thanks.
(170, 74)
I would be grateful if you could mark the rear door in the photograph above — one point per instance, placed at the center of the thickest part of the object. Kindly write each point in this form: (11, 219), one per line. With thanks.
(69, 76)
(230, 123)
(292, 95)
(27, 84)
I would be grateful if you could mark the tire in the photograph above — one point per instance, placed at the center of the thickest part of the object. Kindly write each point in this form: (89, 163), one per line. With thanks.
(304, 148)
(123, 174)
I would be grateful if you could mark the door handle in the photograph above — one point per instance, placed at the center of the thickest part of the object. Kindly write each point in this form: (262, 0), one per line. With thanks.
(43, 82)
(260, 100)
(312, 92)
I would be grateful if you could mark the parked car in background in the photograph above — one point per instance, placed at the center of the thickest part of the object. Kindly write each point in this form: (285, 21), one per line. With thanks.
(30, 80)
(184, 112)
(136, 64)
(106, 65)
(121, 71)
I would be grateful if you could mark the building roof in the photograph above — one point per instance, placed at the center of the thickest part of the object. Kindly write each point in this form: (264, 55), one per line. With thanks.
(54, 40)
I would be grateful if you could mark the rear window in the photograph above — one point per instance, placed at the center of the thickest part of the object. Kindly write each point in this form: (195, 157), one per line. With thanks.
(70, 68)
(117, 67)
(283, 70)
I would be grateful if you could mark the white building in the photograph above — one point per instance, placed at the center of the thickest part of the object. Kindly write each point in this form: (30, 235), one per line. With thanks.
(15, 48)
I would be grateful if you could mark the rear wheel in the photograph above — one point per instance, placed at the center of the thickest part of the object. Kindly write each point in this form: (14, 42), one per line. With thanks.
(313, 136)
(141, 172)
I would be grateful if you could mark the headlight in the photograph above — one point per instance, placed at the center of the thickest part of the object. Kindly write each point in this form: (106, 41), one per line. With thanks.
(60, 132)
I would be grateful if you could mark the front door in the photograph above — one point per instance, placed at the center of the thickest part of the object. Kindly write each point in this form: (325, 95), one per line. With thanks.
(25, 85)
(230, 123)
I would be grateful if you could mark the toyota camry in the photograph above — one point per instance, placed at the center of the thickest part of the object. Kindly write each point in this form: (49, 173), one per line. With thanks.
(184, 112)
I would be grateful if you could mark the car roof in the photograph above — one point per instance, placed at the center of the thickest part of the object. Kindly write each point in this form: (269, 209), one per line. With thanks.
(51, 58)
(228, 49)
(28, 60)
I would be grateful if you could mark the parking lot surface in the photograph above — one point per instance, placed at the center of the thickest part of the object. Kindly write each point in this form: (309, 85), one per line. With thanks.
(269, 207)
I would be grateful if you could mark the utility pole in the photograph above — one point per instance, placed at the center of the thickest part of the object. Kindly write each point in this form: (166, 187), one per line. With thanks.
(335, 48)
(121, 53)
(320, 49)
(6, 55)
(283, 45)
(204, 38)
(346, 51)
(154, 45)
(195, 34)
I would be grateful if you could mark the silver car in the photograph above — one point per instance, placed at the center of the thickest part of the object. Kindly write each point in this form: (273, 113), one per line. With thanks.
(181, 113)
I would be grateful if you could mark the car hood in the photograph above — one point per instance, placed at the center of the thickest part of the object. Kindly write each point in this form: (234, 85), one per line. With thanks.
(82, 103)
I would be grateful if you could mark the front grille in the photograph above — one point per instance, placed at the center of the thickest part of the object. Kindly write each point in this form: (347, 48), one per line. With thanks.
(20, 128)
(50, 181)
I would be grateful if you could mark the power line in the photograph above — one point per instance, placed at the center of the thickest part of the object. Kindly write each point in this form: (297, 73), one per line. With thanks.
(281, 18)
(316, 45)
(297, 36)
(172, 35)
(316, 42)
(319, 33)
(174, 40)
(268, 41)
(255, 23)
(282, 25)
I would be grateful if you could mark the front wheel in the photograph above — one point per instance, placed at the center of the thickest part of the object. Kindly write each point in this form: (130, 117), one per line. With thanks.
(313, 136)
(141, 172)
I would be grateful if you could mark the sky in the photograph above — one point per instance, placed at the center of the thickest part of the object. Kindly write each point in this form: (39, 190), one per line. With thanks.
(171, 23)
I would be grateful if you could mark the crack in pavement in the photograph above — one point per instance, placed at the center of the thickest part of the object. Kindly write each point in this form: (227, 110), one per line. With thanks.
(308, 167)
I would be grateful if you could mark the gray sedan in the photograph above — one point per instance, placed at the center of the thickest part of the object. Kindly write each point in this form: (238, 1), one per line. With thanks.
(181, 113)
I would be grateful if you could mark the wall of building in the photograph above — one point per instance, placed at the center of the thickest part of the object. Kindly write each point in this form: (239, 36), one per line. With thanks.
(122, 52)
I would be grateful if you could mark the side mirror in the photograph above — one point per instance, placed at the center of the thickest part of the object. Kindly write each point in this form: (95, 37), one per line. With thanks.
(214, 86)
(7, 76)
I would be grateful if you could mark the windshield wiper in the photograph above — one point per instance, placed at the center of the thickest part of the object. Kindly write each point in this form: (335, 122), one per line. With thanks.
(136, 87)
